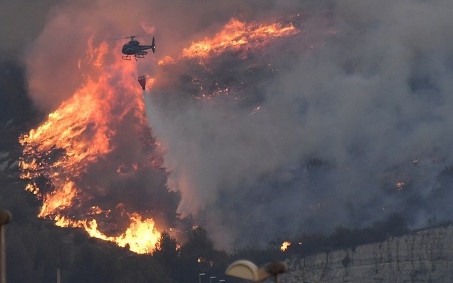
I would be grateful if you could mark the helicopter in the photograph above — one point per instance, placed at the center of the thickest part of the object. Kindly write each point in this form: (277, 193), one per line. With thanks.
(133, 48)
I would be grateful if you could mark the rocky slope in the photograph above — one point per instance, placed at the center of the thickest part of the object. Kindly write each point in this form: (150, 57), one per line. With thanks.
(422, 256)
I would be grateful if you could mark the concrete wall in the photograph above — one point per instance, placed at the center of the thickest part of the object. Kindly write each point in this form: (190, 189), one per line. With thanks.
(423, 256)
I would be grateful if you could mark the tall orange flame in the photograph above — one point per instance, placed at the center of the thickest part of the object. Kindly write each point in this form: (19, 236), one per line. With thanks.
(76, 135)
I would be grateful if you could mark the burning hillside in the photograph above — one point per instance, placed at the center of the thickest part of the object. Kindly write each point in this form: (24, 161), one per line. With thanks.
(94, 157)
(238, 36)
(256, 116)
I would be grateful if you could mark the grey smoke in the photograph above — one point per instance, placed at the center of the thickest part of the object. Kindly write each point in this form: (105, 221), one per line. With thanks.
(353, 126)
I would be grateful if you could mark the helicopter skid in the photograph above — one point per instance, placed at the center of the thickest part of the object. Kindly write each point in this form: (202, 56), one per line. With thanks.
(129, 57)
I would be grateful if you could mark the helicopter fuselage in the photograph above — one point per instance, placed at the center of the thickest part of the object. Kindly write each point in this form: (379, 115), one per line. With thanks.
(133, 48)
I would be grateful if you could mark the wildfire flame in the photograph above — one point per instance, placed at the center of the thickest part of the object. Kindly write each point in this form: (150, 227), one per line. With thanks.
(239, 40)
(60, 154)
(141, 236)
(235, 35)
(285, 246)
(73, 138)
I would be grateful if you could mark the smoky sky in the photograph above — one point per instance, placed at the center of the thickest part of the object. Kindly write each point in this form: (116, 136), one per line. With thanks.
(354, 114)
